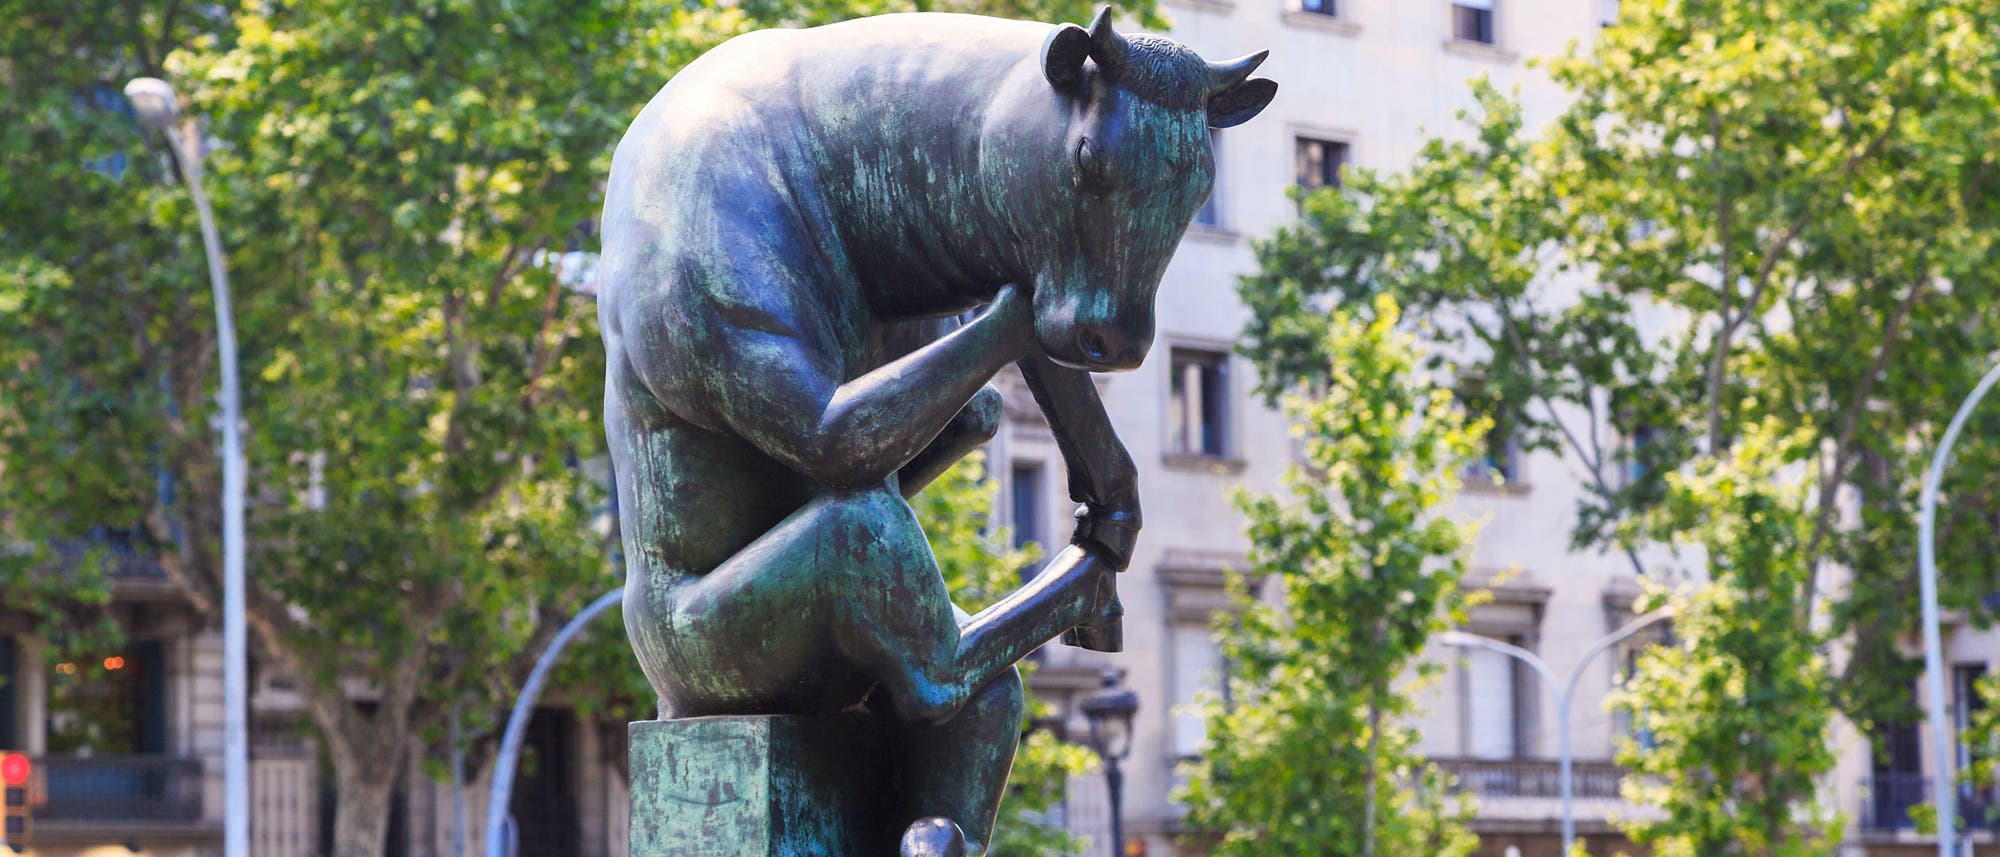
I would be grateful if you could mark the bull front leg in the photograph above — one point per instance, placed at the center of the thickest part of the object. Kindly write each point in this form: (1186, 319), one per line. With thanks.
(1101, 477)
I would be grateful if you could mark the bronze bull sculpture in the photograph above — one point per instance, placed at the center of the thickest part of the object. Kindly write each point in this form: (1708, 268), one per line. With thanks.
(791, 227)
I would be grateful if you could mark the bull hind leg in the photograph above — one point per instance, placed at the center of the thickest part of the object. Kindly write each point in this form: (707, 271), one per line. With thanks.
(957, 770)
(854, 568)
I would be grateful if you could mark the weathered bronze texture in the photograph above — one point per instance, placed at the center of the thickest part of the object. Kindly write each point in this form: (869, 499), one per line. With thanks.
(790, 229)
(736, 786)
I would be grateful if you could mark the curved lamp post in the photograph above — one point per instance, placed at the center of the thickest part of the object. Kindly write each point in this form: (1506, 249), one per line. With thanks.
(509, 757)
(1110, 712)
(1563, 692)
(1946, 785)
(154, 103)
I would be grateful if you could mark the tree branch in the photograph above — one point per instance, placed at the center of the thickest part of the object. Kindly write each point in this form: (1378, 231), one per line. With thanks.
(1725, 250)
(1843, 454)
(1593, 464)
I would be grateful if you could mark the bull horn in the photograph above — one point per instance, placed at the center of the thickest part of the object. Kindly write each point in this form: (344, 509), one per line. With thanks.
(1229, 74)
(1106, 46)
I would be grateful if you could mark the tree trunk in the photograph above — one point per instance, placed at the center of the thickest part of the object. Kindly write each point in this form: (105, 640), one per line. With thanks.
(362, 790)
(1374, 753)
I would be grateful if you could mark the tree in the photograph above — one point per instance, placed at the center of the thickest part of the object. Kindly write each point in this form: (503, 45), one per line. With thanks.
(1751, 212)
(397, 183)
(1366, 565)
(1736, 709)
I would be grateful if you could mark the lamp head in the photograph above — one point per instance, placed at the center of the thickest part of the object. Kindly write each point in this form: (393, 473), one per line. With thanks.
(1458, 638)
(1110, 712)
(153, 101)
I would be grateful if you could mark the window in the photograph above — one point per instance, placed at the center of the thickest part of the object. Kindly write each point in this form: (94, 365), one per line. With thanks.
(1501, 464)
(113, 704)
(1472, 21)
(1637, 725)
(1198, 667)
(1966, 706)
(1320, 7)
(1210, 214)
(1634, 464)
(1492, 705)
(1896, 776)
(1199, 410)
(1319, 162)
(9, 736)
(1026, 503)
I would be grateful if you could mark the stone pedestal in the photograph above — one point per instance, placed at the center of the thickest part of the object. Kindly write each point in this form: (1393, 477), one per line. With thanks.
(762, 787)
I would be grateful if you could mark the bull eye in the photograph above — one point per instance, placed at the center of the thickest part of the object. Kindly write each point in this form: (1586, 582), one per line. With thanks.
(1090, 166)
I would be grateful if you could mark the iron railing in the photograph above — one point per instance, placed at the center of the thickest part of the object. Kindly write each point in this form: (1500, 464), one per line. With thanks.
(1532, 777)
(1888, 799)
(120, 788)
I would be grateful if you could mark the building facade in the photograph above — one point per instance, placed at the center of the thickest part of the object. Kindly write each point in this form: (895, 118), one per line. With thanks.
(1366, 82)
(128, 743)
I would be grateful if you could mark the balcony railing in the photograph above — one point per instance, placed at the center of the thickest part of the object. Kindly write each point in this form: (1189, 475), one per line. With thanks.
(1888, 799)
(1532, 778)
(118, 560)
(120, 788)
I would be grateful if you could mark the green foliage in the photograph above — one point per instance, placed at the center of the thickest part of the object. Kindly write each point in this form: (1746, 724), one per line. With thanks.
(1738, 707)
(420, 389)
(1367, 568)
(980, 569)
(1751, 212)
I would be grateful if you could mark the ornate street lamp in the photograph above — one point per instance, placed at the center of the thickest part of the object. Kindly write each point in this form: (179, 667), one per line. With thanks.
(154, 104)
(1110, 712)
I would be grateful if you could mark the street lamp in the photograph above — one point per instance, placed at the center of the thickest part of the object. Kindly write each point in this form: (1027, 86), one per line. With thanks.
(154, 103)
(500, 833)
(1110, 711)
(1947, 788)
(1563, 692)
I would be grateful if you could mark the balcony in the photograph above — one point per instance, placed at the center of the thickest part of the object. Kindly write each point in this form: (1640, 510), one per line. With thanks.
(1532, 778)
(119, 560)
(119, 788)
(1888, 799)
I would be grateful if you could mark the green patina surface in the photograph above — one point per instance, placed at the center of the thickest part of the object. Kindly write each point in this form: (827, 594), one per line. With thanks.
(756, 786)
(791, 228)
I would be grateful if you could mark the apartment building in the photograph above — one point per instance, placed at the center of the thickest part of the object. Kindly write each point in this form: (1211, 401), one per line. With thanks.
(127, 752)
(1365, 82)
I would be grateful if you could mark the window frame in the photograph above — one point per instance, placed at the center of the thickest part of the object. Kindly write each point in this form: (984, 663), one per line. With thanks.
(1301, 140)
(1034, 473)
(1220, 358)
(1486, 22)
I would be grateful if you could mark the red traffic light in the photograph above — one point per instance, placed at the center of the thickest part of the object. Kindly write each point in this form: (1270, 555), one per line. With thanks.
(14, 769)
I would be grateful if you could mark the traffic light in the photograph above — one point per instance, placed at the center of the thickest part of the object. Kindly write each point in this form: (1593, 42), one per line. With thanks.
(14, 821)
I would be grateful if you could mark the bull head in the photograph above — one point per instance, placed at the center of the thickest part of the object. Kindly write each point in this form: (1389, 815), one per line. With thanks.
(1099, 156)
(1232, 96)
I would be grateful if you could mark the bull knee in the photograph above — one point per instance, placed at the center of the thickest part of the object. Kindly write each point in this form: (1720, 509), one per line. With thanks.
(980, 419)
(1005, 696)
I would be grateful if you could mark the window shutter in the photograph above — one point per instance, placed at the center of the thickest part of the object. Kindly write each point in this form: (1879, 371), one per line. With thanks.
(149, 657)
(1491, 698)
(1197, 667)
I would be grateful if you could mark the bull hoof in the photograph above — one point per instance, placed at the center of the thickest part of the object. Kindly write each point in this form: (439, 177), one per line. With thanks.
(1106, 633)
(934, 837)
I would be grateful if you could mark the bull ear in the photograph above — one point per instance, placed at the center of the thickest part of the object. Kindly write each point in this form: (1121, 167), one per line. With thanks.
(1240, 103)
(1063, 54)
